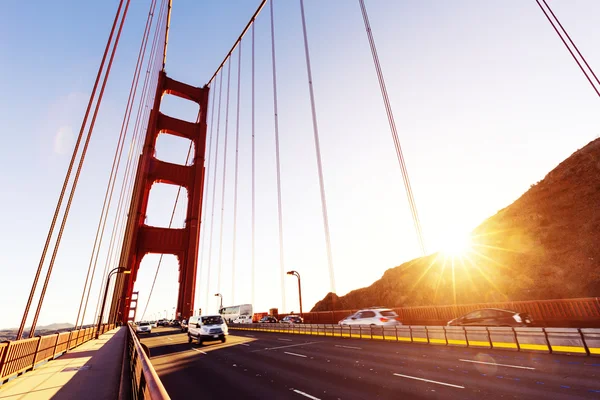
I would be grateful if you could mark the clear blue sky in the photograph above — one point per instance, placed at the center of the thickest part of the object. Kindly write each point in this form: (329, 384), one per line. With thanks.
(486, 98)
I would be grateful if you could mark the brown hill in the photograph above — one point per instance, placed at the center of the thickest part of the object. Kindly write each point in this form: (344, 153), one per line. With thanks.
(544, 245)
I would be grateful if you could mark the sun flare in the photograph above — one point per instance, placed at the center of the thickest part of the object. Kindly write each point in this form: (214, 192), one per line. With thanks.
(456, 245)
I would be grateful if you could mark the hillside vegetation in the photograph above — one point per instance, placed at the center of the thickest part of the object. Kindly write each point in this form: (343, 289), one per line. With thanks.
(545, 245)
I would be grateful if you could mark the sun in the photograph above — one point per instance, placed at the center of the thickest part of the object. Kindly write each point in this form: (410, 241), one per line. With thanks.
(456, 245)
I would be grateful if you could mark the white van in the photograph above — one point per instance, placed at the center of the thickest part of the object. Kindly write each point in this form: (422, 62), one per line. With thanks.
(206, 328)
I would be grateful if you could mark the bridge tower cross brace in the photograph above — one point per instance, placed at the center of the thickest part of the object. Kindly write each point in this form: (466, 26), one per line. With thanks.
(141, 239)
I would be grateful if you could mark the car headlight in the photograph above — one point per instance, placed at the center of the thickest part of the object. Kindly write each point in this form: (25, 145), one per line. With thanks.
(517, 318)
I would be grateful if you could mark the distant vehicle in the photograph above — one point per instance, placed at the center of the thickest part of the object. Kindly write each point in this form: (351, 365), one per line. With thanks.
(154, 324)
(243, 319)
(493, 317)
(207, 327)
(184, 325)
(292, 319)
(376, 316)
(143, 327)
(267, 319)
(162, 322)
(231, 314)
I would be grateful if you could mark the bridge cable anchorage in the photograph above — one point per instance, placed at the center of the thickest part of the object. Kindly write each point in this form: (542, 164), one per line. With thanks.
(206, 187)
(224, 179)
(187, 158)
(277, 161)
(392, 123)
(68, 175)
(78, 173)
(253, 251)
(318, 153)
(568, 48)
(235, 192)
(239, 39)
(108, 195)
(214, 190)
(136, 142)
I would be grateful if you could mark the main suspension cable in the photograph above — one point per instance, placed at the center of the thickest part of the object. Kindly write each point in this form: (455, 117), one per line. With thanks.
(214, 190)
(68, 175)
(568, 48)
(224, 179)
(318, 152)
(392, 123)
(277, 160)
(235, 184)
(78, 173)
(108, 195)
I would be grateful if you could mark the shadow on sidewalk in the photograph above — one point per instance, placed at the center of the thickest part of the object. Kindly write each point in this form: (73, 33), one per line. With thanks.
(100, 376)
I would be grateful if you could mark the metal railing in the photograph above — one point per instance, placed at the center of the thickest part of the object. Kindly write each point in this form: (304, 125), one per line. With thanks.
(145, 381)
(19, 356)
(582, 312)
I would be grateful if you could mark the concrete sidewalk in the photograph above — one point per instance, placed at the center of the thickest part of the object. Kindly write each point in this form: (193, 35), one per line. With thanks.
(90, 371)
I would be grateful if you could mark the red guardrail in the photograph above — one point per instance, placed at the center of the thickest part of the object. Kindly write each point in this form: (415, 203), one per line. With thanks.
(22, 355)
(582, 312)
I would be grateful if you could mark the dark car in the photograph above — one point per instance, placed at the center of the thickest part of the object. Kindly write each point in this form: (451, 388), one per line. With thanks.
(267, 320)
(292, 319)
(492, 317)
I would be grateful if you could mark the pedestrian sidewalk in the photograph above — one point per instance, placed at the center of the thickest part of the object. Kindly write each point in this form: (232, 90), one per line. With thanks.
(91, 371)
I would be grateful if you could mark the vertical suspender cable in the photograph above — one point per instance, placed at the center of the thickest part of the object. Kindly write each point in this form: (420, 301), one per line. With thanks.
(78, 172)
(277, 159)
(214, 191)
(318, 152)
(115, 169)
(235, 184)
(568, 48)
(206, 186)
(253, 266)
(224, 179)
(68, 175)
(392, 123)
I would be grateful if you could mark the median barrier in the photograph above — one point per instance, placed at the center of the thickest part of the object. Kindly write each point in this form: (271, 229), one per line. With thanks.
(503, 338)
(345, 331)
(591, 336)
(419, 334)
(355, 331)
(337, 331)
(478, 336)
(532, 339)
(389, 333)
(566, 341)
(403, 333)
(436, 335)
(456, 336)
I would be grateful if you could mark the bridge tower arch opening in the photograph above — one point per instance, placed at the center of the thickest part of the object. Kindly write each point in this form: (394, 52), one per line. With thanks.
(183, 242)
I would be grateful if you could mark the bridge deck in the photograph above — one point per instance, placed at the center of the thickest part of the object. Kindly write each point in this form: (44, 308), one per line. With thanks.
(90, 371)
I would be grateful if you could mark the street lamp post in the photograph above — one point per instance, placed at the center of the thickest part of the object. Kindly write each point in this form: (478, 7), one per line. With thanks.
(117, 270)
(166, 316)
(221, 296)
(297, 275)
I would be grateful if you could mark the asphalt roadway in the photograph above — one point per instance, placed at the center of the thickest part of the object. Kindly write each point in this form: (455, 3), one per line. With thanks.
(262, 365)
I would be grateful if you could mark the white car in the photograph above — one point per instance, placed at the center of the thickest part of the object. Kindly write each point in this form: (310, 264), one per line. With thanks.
(207, 327)
(379, 316)
(143, 327)
(243, 319)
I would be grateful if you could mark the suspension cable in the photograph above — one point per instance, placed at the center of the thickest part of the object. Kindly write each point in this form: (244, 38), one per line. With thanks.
(235, 190)
(108, 195)
(277, 160)
(568, 48)
(206, 187)
(224, 179)
(77, 174)
(253, 176)
(68, 175)
(214, 190)
(392, 123)
(132, 158)
(318, 152)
